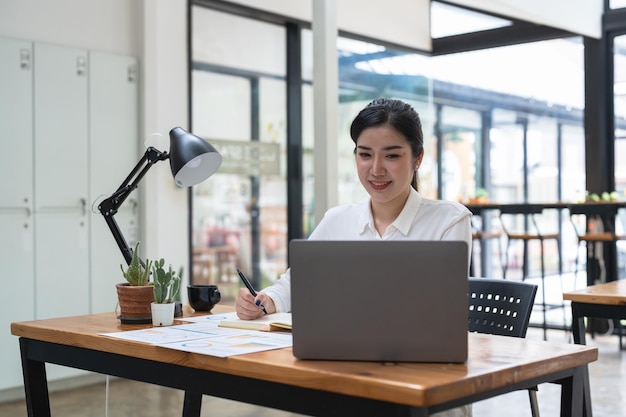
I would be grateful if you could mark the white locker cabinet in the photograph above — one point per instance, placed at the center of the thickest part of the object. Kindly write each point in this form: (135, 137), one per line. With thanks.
(16, 122)
(16, 201)
(113, 136)
(61, 134)
(69, 122)
(60, 87)
(61, 181)
(16, 252)
(62, 286)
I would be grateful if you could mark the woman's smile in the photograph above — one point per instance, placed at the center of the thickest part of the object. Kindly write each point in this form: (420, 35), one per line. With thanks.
(379, 185)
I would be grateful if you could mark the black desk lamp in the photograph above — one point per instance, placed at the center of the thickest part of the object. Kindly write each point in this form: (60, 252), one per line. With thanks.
(192, 161)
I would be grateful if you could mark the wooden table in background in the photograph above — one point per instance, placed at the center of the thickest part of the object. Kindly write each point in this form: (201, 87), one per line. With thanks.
(275, 378)
(606, 210)
(597, 301)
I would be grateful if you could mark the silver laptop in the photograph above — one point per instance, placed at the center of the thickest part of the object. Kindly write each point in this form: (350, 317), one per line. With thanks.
(398, 301)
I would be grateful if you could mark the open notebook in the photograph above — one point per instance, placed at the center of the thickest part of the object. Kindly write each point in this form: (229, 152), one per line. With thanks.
(379, 300)
(268, 323)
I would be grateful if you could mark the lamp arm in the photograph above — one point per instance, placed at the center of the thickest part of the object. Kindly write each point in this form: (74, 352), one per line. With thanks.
(108, 207)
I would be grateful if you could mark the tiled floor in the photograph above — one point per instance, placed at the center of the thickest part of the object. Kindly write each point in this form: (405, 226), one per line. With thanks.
(128, 398)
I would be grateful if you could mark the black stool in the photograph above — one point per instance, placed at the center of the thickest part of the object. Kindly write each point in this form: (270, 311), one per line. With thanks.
(519, 223)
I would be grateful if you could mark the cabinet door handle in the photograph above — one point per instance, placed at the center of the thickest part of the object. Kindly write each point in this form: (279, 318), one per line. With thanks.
(83, 206)
(14, 210)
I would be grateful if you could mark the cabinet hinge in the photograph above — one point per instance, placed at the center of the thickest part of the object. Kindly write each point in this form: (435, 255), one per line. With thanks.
(25, 60)
(81, 66)
(132, 73)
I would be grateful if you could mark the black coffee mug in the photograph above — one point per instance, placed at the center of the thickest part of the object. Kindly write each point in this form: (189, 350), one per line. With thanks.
(203, 297)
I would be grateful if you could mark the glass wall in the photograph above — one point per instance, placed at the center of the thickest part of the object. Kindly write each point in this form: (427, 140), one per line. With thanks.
(617, 4)
(366, 71)
(508, 120)
(530, 99)
(619, 92)
(460, 132)
(238, 104)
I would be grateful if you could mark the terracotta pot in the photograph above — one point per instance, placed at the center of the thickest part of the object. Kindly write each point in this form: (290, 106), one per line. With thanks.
(135, 303)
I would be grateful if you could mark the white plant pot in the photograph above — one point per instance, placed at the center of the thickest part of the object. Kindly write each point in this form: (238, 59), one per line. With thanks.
(162, 314)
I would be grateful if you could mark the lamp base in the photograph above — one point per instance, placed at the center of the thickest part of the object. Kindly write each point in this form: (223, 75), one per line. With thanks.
(178, 309)
(134, 320)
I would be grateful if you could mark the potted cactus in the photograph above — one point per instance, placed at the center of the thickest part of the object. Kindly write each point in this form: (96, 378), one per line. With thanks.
(166, 288)
(137, 293)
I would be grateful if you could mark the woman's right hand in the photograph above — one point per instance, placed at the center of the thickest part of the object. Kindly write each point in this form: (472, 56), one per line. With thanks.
(249, 307)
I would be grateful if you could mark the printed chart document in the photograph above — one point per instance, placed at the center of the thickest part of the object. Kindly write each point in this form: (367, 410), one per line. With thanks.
(204, 335)
(237, 343)
(267, 323)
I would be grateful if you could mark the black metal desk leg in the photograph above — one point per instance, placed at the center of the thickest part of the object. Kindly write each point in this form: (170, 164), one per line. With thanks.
(35, 384)
(571, 390)
(578, 325)
(192, 404)
(579, 334)
(586, 391)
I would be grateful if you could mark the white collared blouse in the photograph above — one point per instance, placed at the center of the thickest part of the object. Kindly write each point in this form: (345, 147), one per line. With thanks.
(420, 219)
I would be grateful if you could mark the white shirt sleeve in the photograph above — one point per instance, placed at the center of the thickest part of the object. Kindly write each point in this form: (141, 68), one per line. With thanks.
(280, 292)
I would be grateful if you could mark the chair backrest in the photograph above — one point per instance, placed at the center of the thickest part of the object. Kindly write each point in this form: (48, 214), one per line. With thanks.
(524, 219)
(482, 226)
(500, 307)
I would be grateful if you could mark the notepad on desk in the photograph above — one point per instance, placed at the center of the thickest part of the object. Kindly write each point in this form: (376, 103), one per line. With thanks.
(268, 323)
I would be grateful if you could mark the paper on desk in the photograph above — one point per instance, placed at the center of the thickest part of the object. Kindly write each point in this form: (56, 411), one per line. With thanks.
(159, 335)
(212, 318)
(238, 343)
(205, 337)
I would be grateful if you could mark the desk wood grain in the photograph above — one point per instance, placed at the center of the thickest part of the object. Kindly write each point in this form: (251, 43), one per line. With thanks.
(494, 362)
(610, 293)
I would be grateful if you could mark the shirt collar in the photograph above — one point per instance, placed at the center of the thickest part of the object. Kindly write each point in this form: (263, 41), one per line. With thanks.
(365, 218)
(403, 222)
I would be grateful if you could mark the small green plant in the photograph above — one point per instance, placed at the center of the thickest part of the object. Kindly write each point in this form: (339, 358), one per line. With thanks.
(166, 284)
(137, 274)
(481, 192)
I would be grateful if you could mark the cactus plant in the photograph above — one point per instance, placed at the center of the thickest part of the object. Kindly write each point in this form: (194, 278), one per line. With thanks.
(166, 284)
(136, 274)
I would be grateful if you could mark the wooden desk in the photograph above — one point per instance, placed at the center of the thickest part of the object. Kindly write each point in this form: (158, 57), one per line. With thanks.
(496, 365)
(597, 301)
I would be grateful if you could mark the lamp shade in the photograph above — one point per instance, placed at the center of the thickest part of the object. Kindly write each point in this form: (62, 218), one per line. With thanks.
(192, 159)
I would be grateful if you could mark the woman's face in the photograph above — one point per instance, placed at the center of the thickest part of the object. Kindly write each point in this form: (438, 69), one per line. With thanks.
(385, 164)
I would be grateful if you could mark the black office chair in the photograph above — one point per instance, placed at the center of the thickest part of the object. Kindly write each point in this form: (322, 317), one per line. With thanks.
(502, 308)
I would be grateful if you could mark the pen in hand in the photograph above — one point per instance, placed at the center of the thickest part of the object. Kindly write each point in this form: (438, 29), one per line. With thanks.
(250, 288)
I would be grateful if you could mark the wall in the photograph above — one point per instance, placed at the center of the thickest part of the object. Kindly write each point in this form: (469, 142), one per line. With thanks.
(155, 32)
(165, 106)
(107, 26)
